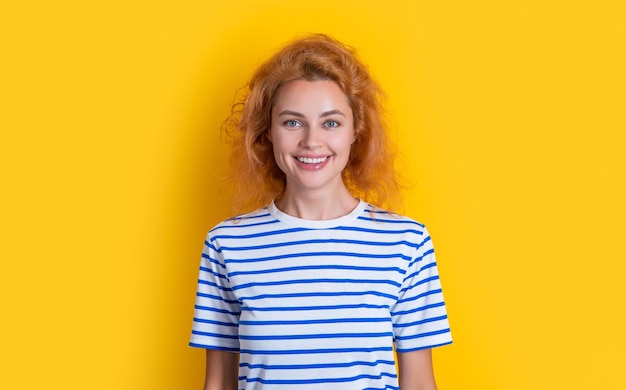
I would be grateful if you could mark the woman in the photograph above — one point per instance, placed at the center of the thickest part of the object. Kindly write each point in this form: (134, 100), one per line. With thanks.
(313, 290)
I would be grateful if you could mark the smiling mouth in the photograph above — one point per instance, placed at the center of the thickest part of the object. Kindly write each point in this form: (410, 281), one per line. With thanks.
(311, 160)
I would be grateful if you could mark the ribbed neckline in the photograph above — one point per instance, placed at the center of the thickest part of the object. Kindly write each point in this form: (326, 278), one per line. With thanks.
(317, 224)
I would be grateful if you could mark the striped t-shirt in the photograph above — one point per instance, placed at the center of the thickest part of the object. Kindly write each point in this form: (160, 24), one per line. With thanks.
(319, 304)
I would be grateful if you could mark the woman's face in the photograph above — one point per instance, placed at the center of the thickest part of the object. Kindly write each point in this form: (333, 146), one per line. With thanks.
(312, 132)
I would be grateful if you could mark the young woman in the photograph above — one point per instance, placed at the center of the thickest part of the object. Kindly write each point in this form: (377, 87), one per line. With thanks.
(315, 288)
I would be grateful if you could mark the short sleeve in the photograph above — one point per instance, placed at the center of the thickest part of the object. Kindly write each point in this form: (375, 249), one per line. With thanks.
(217, 310)
(419, 315)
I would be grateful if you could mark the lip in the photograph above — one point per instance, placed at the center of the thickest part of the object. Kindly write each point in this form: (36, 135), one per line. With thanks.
(312, 163)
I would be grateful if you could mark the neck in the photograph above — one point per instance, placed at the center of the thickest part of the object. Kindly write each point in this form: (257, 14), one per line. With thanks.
(317, 205)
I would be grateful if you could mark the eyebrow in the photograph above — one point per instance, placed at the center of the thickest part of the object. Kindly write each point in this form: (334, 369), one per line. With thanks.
(299, 115)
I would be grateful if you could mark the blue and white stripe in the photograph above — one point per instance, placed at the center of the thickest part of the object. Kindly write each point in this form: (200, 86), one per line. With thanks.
(315, 303)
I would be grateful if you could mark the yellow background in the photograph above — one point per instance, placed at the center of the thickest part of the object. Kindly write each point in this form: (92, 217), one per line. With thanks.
(510, 116)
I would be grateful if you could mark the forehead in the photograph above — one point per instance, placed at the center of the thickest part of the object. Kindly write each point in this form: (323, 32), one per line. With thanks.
(311, 96)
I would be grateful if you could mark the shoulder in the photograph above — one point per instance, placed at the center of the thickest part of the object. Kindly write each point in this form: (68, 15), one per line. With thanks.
(255, 220)
(384, 218)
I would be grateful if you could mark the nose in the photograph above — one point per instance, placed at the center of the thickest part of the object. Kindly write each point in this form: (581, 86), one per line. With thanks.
(311, 138)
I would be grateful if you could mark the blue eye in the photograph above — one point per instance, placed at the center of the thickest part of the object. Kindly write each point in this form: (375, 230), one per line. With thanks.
(332, 124)
(291, 123)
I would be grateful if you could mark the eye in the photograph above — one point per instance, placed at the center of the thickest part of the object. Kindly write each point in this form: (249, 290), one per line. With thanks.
(331, 124)
(291, 123)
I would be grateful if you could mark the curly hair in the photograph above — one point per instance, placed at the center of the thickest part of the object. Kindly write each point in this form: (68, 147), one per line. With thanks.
(255, 176)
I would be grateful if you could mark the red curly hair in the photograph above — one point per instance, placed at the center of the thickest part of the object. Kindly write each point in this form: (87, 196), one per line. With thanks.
(257, 179)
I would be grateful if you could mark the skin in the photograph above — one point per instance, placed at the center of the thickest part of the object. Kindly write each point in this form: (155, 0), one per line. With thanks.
(312, 132)
(313, 120)
(221, 370)
(416, 370)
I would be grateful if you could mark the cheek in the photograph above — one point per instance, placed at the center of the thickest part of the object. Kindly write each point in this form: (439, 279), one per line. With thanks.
(284, 142)
(281, 152)
(276, 153)
(343, 145)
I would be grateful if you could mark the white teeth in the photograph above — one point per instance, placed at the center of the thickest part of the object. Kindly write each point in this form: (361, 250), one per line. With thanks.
(308, 160)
